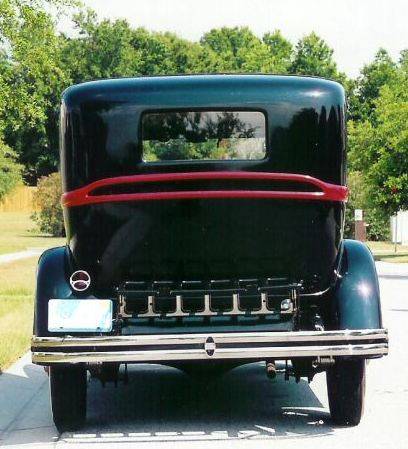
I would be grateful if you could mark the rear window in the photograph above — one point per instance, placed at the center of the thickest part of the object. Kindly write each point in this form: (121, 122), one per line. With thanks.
(203, 135)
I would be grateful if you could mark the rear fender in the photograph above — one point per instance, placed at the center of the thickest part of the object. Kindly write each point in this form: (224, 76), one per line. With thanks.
(53, 274)
(357, 295)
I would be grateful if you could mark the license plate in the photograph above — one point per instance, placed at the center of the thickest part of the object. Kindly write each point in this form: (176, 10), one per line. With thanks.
(80, 315)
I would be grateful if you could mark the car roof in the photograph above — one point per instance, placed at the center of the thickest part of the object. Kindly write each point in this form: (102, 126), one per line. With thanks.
(211, 89)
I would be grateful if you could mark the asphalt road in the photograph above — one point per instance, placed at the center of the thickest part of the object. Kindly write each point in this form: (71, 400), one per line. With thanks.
(243, 409)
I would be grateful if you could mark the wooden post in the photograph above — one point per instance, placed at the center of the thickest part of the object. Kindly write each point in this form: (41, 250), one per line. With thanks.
(359, 226)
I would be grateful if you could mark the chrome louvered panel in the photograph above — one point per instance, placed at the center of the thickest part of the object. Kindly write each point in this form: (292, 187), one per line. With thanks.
(165, 299)
(178, 312)
(236, 309)
(207, 307)
(263, 310)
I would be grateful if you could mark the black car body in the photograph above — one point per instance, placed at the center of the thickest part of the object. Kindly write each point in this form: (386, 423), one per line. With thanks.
(204, 219)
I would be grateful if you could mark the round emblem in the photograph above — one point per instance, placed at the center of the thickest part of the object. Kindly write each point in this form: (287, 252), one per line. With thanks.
(209, 346)
(80, 280)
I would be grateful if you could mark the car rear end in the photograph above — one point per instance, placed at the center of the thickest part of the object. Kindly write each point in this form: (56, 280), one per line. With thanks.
(204, 218)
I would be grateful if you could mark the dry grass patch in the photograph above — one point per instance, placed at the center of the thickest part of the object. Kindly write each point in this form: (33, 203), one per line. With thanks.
(16, 323)
(385, 251)
(386, 247)
(17, 280)
(393, 258)
(16, 234)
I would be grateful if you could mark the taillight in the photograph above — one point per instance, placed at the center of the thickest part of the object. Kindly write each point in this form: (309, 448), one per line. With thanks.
(80, 280)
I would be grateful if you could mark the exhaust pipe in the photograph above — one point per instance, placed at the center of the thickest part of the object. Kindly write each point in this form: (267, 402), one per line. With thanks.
(270, 369)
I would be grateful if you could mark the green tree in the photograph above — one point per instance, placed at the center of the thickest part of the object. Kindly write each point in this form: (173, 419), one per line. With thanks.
(101, 49)
(377, 221)
(32, 80)
(189, 57)
(10, 170)
(403, 61)
(239, 50)
(312, 56)
(379, 146)
(280, 51)
(378, 73)
(112, 49)
(232, 46)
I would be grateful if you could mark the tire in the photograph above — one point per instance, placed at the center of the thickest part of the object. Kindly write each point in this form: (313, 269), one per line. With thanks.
(68, 396)
(346, 390)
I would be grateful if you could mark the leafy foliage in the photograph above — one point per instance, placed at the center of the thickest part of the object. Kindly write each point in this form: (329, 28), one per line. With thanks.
(378, 225)
(32, 80)
(48, 199)
(10, 170)
(314, 57)
(379, 146)
(378, 73)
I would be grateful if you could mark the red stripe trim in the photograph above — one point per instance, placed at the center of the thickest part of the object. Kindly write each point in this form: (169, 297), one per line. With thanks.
(83, 195)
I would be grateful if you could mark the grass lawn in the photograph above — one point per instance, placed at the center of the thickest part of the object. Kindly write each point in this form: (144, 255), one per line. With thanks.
(16, 234)
(16, 308)
(393, 258)
(385, 251)
(17, 284)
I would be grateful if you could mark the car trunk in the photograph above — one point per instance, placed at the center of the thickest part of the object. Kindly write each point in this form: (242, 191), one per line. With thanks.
(206, 239)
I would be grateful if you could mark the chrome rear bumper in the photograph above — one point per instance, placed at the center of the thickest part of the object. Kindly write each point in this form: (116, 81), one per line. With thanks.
(217, 346)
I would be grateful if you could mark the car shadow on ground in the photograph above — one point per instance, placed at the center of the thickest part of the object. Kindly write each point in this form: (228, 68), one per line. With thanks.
(164, 404)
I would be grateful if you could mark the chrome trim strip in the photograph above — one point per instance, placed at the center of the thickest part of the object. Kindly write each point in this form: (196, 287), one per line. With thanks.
(219, 354)
(294, 337)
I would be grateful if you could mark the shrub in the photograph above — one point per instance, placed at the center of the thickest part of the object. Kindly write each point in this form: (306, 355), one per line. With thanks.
(47, 198)
(10, 170)
(378, 222)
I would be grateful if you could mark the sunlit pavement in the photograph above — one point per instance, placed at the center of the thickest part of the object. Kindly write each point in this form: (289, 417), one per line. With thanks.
(163, 407)
(11, 257)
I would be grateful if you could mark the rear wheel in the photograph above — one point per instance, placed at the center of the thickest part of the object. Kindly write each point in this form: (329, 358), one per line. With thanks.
(346, 389)
(68, 396)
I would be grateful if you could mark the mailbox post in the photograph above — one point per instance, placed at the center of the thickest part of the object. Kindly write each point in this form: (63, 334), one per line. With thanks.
(359, 226)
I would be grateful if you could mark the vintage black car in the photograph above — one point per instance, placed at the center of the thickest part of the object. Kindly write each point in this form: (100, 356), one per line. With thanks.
(204, 219)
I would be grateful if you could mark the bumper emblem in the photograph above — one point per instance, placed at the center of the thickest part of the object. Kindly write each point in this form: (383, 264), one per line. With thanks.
(209, 346)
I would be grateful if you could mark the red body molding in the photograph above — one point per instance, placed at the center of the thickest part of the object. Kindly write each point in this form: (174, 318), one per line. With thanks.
(86, 195)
